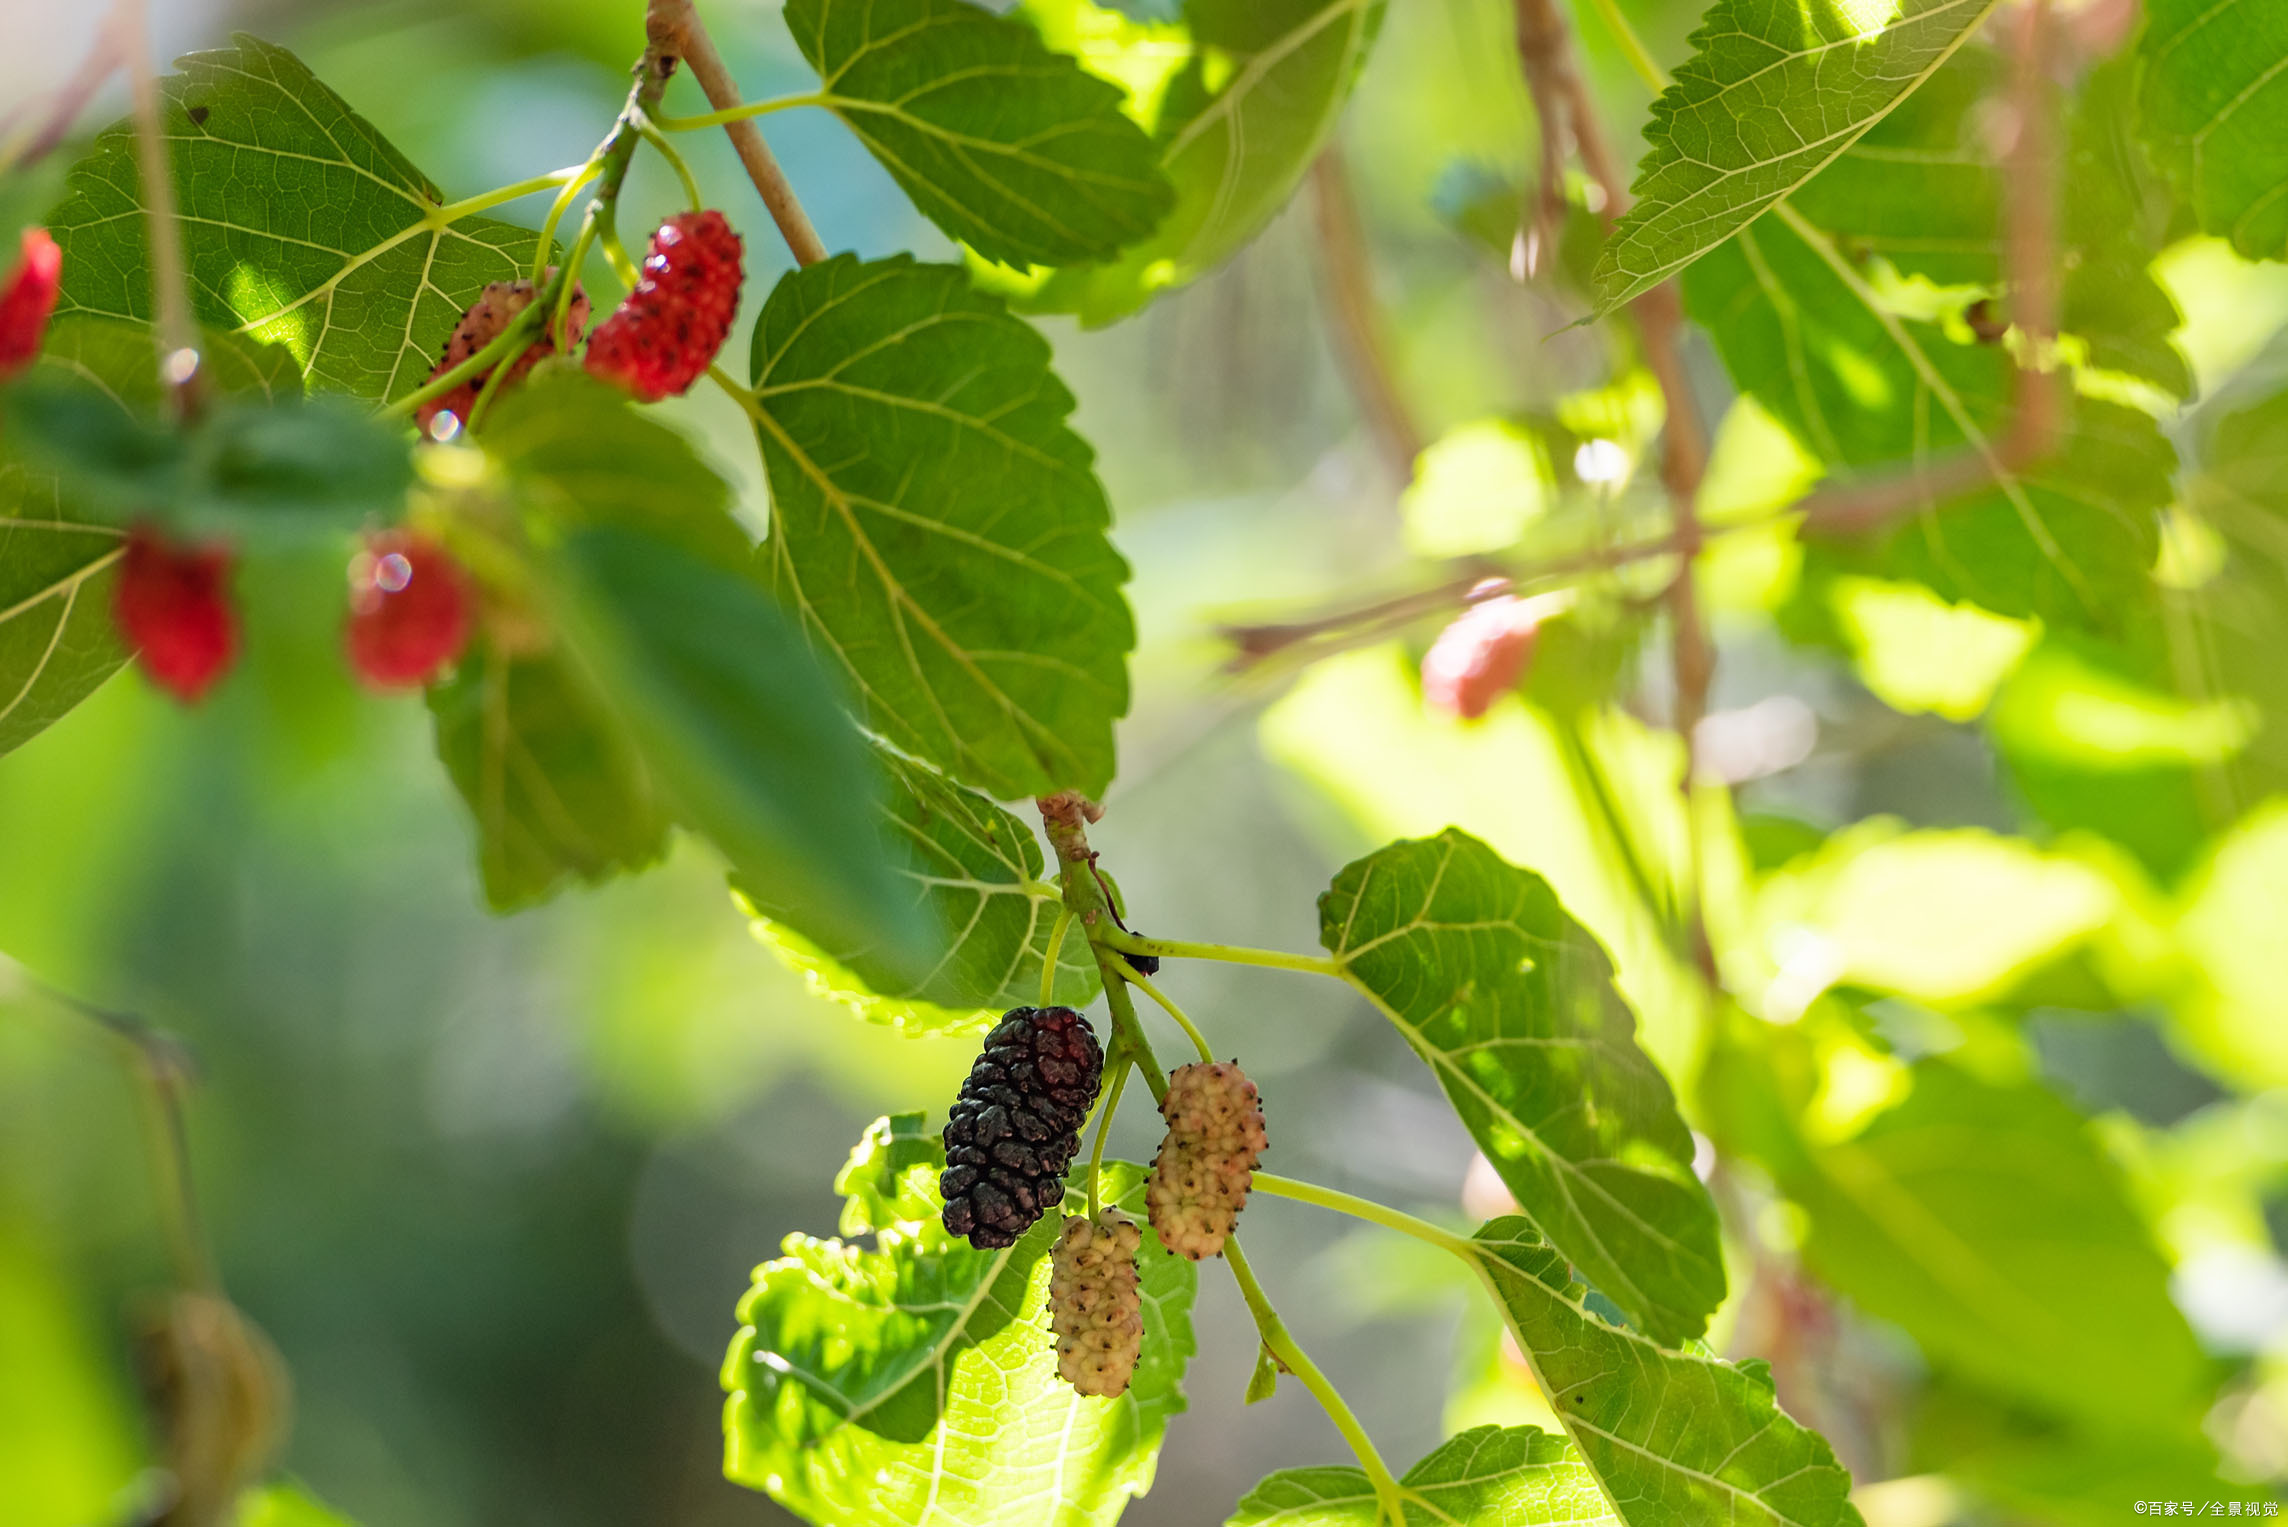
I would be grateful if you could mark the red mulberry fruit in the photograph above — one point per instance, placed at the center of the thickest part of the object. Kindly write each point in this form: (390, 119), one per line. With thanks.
(1479, 658)
(1206, 1164)
(1016, 1125)
(1095, 1305)
(28, 299)
(173, 605)
(492, 312)
(409, 611)
(663, 337)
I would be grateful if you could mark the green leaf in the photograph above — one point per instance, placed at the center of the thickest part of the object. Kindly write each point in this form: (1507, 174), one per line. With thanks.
(301, 226)
(1870, 391)
(1949, 918)
(2034, 1469)
(914, 1384)
(2215, 110)
(580, 454)
(58, 554)
(936, 525)
(1672, 1436)
(244, 472)
(1239, 100)
(2235, 1011)
(1774, 94)
(1488, 1476)
(738, 726)
(557, 786)
(555, 780)
(1985, 1220)
(975, 872)
(285, 1505)
(1511, 1003)
(1013, 150)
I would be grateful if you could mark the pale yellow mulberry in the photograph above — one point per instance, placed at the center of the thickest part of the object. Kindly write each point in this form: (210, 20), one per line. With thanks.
(1207, 1162)
(1096, 1307)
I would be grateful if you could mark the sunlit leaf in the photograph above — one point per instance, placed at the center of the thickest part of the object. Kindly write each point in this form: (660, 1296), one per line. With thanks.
(1873, 393)
(1487, 1476)
(301, 225)
(2236, 1015)
(1953, 916)
(914, 1383)
(1672, 1436)
(1239, 98)
(1772, 96)
(936, 525)
(2215, 110)
(1014, 150)
(1510, 1002)
(1985, 1220)
(975, 872)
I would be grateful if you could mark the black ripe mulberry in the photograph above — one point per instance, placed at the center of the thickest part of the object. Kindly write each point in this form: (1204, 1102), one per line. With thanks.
(1206, 1164)
(1016, 1125)
(1095, 1305)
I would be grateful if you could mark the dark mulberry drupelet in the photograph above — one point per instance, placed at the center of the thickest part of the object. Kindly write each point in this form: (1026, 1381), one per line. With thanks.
(1016, 1126)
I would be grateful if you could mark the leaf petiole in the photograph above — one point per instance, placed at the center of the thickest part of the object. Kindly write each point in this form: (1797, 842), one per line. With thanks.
(570, 179)
(1230, 954)
(739, 113)
(1367, 1209)
(667, 150)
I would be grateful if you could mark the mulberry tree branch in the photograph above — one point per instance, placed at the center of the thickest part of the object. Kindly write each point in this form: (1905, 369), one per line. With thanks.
(1356, 318)
(675, 28)
(1567, 112)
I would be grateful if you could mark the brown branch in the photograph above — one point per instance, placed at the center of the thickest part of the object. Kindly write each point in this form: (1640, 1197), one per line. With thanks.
(28, 144)
(1567, 110)
(1356, 318)
(674, 27)
(174, 329)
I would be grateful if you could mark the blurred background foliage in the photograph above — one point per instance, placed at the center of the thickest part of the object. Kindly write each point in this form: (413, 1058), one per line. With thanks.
(493, 1186)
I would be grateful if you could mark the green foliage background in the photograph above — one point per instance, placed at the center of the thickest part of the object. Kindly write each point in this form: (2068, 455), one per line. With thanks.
(2015, 910)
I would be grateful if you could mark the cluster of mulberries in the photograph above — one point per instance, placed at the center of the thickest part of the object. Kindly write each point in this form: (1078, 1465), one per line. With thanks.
(664, 336)
(1096, 1307)
(1206, 1164)
(495, 308)
(1016, 1125)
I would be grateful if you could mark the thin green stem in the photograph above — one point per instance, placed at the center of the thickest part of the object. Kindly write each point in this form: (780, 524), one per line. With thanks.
(1049, 956)
(561, 205)
(511, 339)
(1230, 954)
(571, 178)
(1368, 1210)
(667, 151)
(608, 238)
(1281, 1341)
(739, 113)
(1142, 983)
(573, 260)
(1104, 1128)
(1640, 57)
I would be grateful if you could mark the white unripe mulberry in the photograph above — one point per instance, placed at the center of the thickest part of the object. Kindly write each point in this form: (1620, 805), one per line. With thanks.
(1207, 1162)
(1095, 1305)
